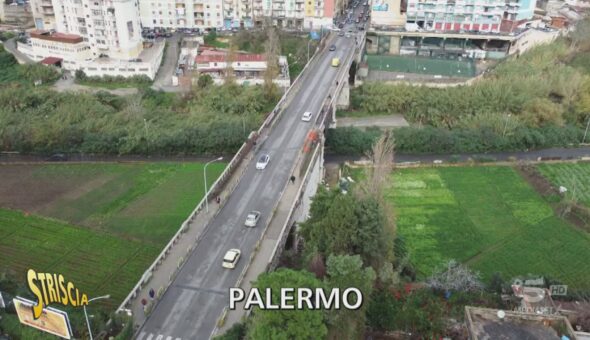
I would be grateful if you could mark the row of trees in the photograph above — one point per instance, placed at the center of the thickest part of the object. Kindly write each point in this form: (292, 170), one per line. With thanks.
(209, 120)
(415, 140)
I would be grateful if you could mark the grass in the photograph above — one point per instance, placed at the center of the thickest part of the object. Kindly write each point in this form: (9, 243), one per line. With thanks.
(9, 67)
(489, 218)
(141, 201)
(574, 176)
(97, 262)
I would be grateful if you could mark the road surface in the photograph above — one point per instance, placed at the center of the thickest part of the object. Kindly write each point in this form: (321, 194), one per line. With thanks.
(191, 306)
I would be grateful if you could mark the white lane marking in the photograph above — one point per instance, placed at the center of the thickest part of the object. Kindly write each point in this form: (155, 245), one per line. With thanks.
(160, 337)
(150, 337)
(168, 337)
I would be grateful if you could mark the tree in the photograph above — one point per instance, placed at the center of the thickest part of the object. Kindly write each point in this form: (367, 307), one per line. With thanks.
(235, 332)
(580, 36)
(272, 51)
(454, 276)
(230, 58)
(342, 224)
(204, 81)
(287, 324)
(344, 272)
(382, 311)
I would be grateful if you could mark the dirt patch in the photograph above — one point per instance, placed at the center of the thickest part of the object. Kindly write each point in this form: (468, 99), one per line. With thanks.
(22, 189)
(578, 216)
(331, 174)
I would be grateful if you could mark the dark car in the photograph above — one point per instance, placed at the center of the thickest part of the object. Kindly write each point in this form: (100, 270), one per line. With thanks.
(57, 157)
(361, 28)
(333, 48)
(341, 25)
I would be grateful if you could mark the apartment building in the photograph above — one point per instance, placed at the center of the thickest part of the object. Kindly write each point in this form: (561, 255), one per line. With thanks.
(177, 14)
(100, 37)
(488, 16)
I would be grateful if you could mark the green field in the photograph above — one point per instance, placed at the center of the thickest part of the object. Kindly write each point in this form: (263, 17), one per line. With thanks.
(96, 262)
(101, 225)
(139, 201)
(490, 218)
(574, 176)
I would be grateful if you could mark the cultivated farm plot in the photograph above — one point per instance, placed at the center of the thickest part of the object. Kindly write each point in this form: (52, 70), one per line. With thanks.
(574, 176)
(95, 262)
(489, 218)
(139, 201)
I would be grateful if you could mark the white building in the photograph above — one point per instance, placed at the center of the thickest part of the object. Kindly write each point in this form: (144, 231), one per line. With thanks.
(248, 68)
(229, 14)
(181, 13)
(100, 37)
(72, 53)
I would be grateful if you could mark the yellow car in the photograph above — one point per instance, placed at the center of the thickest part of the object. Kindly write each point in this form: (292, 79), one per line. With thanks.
(335, 62)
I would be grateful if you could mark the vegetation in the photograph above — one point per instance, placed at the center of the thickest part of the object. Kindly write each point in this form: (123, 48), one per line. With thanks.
(536, 89)
(121, 199)
(31, 241)
(24, 74)
(575, 177)
(293, 46)
(211, 39)
(211, 120)
(287, 324)
(485, 217)
(6, 35)
(112, 82)
(355, 141)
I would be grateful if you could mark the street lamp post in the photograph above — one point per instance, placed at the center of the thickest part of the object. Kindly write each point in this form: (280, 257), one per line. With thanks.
(86, 315)
(205, 178)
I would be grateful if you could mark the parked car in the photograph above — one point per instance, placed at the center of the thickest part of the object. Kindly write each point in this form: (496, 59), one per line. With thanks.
(252, 218)
(231, 258)
(306, 115)
(262, 162)
(341, 33)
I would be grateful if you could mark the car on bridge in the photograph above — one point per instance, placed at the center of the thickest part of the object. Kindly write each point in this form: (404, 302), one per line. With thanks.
(252, 219)
(306, 116)
(262, 162)
(333, 48)
(231, 258)
(335, 62)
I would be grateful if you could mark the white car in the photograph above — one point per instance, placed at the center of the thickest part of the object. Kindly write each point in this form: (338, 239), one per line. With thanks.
(231, 258)
(306, 116)
(252, 218)
(262, 162)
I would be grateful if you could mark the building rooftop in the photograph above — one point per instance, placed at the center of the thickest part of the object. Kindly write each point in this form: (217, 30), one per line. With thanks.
(55, 36)
(485, 323)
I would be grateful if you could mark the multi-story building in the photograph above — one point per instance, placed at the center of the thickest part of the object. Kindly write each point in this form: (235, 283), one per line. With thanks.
(100, 37)
(16, 13)
(236, 13)
(493, 16)
(181, 13)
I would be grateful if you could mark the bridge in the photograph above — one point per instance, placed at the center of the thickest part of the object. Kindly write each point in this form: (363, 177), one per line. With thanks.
(184, 294)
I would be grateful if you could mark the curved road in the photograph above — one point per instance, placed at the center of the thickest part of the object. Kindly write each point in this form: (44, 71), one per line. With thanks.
(191, 306)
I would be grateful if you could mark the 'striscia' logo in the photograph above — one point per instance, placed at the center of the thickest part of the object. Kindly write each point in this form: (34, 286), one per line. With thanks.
(52, 288)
